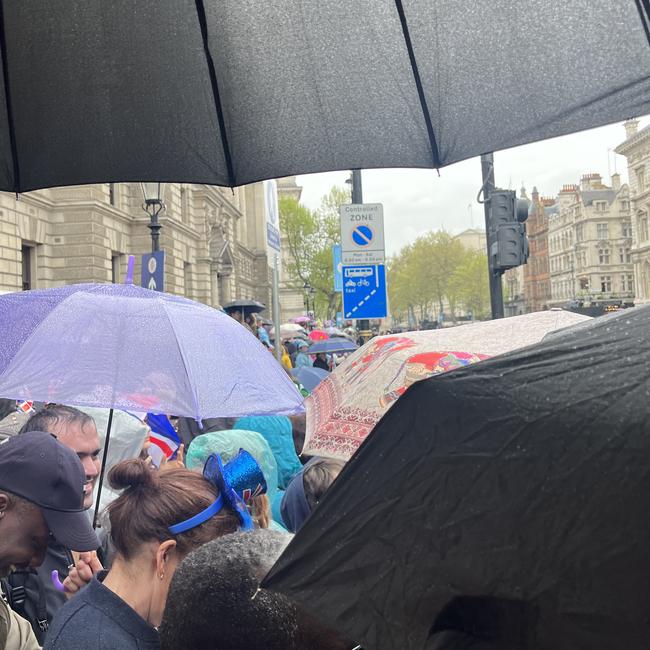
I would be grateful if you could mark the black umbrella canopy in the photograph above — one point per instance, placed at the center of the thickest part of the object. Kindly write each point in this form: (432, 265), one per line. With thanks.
(227, 93)
(508, 499)
(244, 306)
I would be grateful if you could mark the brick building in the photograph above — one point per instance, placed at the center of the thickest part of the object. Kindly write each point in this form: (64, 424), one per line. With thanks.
(537, 279)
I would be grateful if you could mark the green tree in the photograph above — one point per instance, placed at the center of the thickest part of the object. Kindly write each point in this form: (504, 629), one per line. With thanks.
(436, 270)
(310, 236)
(471, 285)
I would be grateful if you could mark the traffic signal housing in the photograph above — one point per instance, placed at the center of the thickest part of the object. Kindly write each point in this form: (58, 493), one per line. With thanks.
(507, 230)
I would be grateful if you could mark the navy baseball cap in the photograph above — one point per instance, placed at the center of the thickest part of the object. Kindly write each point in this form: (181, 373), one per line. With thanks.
(38, 468)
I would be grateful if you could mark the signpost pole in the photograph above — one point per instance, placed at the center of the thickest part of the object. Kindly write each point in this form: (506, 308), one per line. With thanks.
(357, 194)
(276, 309)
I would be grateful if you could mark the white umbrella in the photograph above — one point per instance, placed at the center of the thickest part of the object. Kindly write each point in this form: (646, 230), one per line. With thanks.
(289, 331)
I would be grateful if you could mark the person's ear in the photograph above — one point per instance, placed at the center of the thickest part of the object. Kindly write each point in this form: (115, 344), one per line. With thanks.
(5, 504)
(164, 554)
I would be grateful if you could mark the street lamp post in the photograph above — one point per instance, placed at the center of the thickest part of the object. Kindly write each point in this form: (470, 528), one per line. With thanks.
(309, 291)
(153, 204)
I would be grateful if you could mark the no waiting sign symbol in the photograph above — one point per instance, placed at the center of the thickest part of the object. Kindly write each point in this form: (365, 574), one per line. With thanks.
(362, 235)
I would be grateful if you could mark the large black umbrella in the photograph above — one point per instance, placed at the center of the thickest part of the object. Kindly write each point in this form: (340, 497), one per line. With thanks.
(505, 500)
(246, 307)
(230, 92)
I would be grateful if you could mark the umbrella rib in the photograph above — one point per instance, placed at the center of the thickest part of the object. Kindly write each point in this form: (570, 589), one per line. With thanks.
(8, 102)
(643, 7)
(200, 10)
(418, 83)
(182, 355)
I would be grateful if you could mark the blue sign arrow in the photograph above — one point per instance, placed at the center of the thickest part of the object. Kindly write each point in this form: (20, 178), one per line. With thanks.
(364, 291)
(153, 271)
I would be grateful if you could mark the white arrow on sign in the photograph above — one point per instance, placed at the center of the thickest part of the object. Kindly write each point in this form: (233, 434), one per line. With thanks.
(152, 284)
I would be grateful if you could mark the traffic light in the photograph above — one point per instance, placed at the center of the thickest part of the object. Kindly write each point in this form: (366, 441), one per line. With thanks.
(507, 230)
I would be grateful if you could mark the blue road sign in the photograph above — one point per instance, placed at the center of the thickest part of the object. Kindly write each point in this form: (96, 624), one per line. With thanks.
(338, 267)
(153, 271)
(364, 291)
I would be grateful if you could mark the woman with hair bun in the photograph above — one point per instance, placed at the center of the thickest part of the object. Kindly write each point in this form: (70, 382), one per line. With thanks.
(157, 520)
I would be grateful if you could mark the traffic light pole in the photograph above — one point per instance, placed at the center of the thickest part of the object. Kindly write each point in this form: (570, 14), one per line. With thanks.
(496, 291)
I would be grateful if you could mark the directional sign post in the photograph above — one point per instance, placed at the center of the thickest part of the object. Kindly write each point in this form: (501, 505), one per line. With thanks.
(153, 271)
(364, 291)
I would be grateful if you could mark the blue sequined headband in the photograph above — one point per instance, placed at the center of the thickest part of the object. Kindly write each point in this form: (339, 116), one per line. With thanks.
(238, 481)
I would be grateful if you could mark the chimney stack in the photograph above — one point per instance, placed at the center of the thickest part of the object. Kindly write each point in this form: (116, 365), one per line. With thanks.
(616, 181)
(631, 127)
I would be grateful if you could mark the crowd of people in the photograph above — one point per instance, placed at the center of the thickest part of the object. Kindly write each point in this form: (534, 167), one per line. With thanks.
(180, 550)
(294, 350)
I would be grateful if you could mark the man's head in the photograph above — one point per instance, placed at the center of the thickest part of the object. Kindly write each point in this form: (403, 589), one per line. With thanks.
(236, 314)
(224, 576)
(75, 430)
(24, 534)
(318, 476)
(41, 491)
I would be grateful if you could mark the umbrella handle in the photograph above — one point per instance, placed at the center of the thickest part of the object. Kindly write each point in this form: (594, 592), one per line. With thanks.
(103, 469)
(128, 279)
(56, 581)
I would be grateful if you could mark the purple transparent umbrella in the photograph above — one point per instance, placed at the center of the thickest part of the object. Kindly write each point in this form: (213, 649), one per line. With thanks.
(122, 346)
(125, 347)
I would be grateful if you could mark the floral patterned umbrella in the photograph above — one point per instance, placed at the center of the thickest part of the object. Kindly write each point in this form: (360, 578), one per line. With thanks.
(345, 407)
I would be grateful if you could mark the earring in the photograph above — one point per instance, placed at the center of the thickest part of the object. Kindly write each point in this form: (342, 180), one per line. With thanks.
(161, 576)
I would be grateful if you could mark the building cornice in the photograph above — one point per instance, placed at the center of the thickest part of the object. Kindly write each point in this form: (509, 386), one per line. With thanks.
(76, 205)
(640, 136)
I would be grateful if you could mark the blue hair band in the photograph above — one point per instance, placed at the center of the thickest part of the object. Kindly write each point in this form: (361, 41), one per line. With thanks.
(199, 518)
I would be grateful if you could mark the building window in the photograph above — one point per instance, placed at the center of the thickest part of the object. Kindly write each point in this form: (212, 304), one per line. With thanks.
(580, 235)
(584, 284)
(187, 279)
(627, 282)
(602, 232)
(603, 255)
(112, 197)
(643, 228)
(606, 283)
(640, 179)
(625, 206)
(601, 206)
(115, 268)
(27, 252)
(626, 229)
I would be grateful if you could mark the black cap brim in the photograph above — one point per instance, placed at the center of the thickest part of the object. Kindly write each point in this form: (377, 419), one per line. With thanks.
(72, 529)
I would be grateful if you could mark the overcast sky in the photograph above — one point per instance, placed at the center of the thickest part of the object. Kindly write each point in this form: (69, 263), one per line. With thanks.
(416, 200)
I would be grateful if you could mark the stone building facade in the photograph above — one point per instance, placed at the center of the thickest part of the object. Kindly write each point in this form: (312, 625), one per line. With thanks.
(473, 239)
(636, 148)
(214, 239)
(292, 294)
(589, 243)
